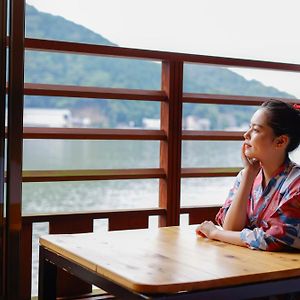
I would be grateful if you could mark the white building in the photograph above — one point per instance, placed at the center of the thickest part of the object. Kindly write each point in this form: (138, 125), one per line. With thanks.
(151, 123)
(195, 123)
(42, 117)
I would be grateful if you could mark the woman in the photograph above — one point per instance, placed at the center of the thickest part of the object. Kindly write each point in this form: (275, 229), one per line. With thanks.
(263, 208)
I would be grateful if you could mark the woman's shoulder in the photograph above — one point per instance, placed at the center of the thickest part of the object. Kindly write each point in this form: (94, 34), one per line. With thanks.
(294, 170)
(292, 180)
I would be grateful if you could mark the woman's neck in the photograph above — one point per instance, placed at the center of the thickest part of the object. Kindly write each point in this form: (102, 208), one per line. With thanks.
(269, 168)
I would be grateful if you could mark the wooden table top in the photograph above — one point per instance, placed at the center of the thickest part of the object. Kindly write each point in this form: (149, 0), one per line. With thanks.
(170, 259)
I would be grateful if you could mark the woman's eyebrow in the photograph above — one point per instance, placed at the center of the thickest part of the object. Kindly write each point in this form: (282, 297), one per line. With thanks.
(255, 124)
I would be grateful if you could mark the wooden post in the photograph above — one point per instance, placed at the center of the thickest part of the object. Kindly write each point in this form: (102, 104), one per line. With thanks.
(170, 150)
(26, 259)
(3, 28)
(14, 151)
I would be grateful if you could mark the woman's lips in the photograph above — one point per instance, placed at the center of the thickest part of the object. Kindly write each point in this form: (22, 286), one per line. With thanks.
(247, 145)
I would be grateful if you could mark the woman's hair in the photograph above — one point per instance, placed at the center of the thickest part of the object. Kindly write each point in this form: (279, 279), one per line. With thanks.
(283, 118)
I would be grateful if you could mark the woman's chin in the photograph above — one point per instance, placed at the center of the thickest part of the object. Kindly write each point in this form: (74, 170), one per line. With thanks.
(248, 153)
(252, 157)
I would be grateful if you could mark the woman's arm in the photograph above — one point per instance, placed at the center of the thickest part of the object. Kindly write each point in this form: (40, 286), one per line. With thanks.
(283, 233)
(209, 230)
(236, 216)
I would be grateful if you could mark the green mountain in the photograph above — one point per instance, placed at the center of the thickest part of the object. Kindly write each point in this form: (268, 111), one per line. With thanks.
(42, 67)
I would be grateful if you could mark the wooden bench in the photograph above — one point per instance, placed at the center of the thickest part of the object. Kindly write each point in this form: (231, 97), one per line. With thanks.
(169, 262)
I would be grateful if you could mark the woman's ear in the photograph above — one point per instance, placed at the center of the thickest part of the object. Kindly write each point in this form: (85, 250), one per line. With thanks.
(282, 141)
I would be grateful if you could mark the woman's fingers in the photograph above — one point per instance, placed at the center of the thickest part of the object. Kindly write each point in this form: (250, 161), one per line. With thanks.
(252, 164)
(199, 230)
(245, 159)
(204, 228)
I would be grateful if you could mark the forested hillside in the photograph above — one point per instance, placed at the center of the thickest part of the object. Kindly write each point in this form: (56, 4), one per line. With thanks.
(125, 73)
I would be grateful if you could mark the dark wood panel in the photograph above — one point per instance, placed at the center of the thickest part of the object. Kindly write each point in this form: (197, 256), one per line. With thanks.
(199, 214)
(130, 220)
(67, 284)
(71, 223)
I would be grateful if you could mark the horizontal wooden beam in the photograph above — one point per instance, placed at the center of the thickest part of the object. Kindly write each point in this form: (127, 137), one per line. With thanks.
(89, 49)
(125, 134)
(195, 135)
(92, 134)
(83, 175)
(116, 174)
(230, 99)
(104, 214)
(52, 217)
(56, 90)
(209, 172)
(39, 89)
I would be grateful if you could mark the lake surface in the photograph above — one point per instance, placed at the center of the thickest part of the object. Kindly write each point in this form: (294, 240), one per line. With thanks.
(109, 194)
(90, 195)
(102, 195)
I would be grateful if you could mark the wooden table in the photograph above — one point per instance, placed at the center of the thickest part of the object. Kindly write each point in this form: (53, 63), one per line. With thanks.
(166, 262)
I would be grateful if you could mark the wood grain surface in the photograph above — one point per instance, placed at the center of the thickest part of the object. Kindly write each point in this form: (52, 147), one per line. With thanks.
(170, 259)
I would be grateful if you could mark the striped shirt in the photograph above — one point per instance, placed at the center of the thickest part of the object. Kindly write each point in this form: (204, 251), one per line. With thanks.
(273, 212)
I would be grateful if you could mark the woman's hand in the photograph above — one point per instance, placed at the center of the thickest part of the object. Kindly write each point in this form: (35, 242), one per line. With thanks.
(207, 229)
(252, 165)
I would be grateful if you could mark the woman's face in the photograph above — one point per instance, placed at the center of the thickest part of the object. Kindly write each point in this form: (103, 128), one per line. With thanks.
(259, 139)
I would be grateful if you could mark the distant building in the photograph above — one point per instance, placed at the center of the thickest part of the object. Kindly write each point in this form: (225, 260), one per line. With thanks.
(40, 117)
(151, 123)
(195, 123)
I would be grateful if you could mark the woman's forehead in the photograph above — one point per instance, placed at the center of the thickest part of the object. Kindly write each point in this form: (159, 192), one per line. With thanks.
(260, 118)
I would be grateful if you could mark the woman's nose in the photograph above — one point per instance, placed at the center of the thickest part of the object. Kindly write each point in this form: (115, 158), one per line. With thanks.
(246, 134)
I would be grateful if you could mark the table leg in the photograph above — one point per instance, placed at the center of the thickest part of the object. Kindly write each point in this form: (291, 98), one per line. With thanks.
(47, 278)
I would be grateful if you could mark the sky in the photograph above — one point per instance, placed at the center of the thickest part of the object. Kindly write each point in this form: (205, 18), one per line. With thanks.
(251, 29)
